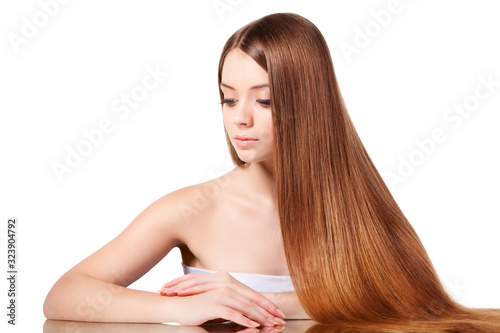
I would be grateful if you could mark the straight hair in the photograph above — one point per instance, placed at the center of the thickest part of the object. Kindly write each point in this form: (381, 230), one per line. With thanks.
(354, 259)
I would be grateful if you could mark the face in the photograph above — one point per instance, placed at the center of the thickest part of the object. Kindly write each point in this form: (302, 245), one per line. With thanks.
(246, 107)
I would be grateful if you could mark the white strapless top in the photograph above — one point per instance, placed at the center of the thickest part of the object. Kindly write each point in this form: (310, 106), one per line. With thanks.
(258, 282)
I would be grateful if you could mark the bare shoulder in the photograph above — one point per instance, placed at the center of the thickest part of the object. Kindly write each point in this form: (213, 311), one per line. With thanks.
(198, 203)
(204, 196)
(183, 204)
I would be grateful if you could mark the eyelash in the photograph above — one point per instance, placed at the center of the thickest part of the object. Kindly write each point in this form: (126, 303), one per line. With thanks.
(263, 102)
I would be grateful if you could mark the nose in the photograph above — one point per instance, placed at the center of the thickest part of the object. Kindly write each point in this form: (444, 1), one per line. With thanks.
(243, 115)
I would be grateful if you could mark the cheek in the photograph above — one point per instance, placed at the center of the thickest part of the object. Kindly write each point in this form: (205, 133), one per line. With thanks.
(266, 133)
(225, 120)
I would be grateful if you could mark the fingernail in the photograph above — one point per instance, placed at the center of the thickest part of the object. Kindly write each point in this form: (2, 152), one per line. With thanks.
(279, 320)
(253, 323)
(280, 313)
(271, 321)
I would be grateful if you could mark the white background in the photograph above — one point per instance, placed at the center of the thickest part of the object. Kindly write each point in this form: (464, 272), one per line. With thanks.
(64, 79)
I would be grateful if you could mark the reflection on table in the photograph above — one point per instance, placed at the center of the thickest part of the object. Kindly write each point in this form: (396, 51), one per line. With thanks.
(291, 326)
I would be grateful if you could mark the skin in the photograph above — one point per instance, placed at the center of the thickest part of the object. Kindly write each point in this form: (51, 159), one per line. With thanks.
(238, 212)
(234, 218)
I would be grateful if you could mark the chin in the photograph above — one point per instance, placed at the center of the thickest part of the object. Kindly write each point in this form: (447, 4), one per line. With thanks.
(246, 159)
(251, 157)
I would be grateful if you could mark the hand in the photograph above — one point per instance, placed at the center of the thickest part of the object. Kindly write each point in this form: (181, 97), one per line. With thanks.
(231, 298)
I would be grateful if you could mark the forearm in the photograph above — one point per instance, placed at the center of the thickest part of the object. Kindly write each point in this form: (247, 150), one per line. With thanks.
(288, 302)
(82, 298)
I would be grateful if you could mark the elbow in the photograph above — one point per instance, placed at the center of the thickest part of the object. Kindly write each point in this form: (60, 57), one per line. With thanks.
(50, 309)
(66, 300)
(55, 304)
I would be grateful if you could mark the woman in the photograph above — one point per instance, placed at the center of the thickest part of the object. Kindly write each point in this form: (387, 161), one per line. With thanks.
(304, 213)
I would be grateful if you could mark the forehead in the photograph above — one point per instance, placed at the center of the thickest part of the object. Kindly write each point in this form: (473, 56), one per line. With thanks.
(241, 71)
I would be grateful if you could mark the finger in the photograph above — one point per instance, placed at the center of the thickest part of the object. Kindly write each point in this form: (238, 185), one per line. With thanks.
(178, 280)
(191, 287)
(243, 305)
(194, 280)
(260, 300)
(270, 308)
(168, 293)
(189, 280)
(238, 318)
(240, 293)
(195, 286)
(271, 329)
(251, 294)
(249, 330)
(182, 293)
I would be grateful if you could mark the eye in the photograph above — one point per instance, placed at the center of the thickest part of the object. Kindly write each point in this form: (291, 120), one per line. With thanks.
(230, 101)
(264, 102)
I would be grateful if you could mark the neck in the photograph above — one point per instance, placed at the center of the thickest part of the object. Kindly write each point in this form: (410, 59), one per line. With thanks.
(261, 179)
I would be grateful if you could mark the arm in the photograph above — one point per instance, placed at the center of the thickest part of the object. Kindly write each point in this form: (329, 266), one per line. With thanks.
(95, 289)
(289, 303)
(82, 298)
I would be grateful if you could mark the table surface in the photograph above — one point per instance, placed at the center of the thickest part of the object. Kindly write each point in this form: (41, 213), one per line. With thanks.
(53, 326)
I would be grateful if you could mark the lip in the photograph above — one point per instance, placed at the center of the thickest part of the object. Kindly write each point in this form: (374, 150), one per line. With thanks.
(244, 137)
(244, 140)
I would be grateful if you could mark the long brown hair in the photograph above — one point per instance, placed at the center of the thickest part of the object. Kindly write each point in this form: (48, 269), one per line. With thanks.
(353, 257)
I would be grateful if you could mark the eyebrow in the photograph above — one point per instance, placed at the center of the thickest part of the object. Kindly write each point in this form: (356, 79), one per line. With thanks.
(259, 86)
